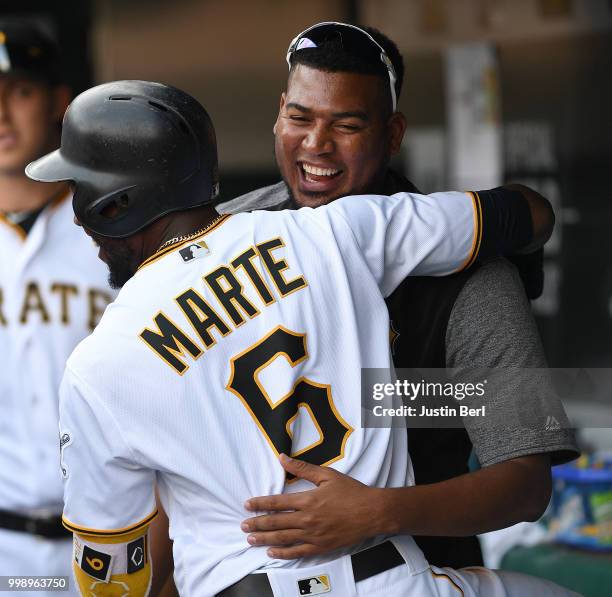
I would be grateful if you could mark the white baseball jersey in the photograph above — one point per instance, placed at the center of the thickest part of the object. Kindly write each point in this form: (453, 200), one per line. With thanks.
(53, 291)
(225, 350)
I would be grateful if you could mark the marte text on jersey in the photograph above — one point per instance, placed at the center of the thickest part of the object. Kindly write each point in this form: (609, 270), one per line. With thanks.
(225, 304)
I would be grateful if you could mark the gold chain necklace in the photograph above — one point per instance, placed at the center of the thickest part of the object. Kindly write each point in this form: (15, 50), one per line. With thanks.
(178, 239)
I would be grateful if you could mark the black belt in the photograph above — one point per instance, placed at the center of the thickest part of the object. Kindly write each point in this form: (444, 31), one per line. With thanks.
(50, 527)
(366, 563)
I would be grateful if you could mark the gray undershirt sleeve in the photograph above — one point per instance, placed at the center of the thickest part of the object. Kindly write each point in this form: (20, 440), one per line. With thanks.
(491, 325)
(274, 197)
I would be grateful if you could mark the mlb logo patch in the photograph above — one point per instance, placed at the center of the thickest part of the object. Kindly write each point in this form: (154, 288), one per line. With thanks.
(194, 251)
(315, 585)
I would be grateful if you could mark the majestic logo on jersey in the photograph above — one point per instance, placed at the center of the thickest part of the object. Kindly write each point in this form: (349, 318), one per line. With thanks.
(316, 585)
(65, 440)
(551, 423)
(194, 251)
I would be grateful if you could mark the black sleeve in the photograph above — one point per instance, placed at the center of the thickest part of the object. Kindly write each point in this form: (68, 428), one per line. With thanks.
(531, 270)
(506, 224)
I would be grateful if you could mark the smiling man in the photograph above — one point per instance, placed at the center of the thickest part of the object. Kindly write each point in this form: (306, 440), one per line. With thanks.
(336, 130)
(334, 133)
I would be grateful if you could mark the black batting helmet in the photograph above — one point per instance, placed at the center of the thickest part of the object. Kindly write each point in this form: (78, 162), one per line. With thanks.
(135, 151)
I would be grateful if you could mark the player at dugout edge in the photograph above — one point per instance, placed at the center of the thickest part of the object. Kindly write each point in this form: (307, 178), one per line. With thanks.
(53, 290)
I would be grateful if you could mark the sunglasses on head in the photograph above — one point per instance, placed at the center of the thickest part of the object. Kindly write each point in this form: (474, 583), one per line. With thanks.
(354, 41)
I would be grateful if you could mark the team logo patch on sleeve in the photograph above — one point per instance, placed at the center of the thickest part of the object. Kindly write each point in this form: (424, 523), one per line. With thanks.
(194, 251)
(64, 441)
(136, 555)
(95, 563)
(316, 585)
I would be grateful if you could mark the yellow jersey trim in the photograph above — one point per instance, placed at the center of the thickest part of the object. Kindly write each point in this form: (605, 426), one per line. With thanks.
(161, 253)
(55, 202)
(16, 227)
(449, 579)
(89, 532)
(477, 237)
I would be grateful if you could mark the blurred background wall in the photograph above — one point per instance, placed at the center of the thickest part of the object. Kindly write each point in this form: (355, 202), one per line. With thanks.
(545, 85)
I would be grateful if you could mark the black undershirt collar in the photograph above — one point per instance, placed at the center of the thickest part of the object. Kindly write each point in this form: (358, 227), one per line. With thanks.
(24, 219)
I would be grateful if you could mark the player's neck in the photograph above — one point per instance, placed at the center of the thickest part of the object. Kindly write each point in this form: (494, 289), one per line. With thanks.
(177, 225)
(19, 193)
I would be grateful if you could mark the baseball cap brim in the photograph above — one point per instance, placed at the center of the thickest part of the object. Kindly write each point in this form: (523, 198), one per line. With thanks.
(50, 168)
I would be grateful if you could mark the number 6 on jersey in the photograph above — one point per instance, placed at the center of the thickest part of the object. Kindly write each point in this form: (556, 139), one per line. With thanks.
(275, 419)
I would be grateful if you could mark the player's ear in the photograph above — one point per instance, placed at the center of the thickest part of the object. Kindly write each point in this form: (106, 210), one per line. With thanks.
(397, 127)
(280, 109)
(60, 98)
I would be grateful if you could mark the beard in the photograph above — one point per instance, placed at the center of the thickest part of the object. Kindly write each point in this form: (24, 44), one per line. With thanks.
(119, 270)
(120, 258)
(318, 199)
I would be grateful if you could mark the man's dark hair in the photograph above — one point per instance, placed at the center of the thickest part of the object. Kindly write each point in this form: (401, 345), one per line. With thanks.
(332, 57)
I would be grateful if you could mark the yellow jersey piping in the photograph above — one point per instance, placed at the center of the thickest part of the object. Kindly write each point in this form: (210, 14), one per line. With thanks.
(55, 201)
(161, 253)
(477, 237)
(81, 530)
(447, 577)
(15, 227)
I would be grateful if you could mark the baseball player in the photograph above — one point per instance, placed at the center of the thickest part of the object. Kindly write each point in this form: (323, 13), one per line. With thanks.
(52, 293)
(233, 340)
(336, 130)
